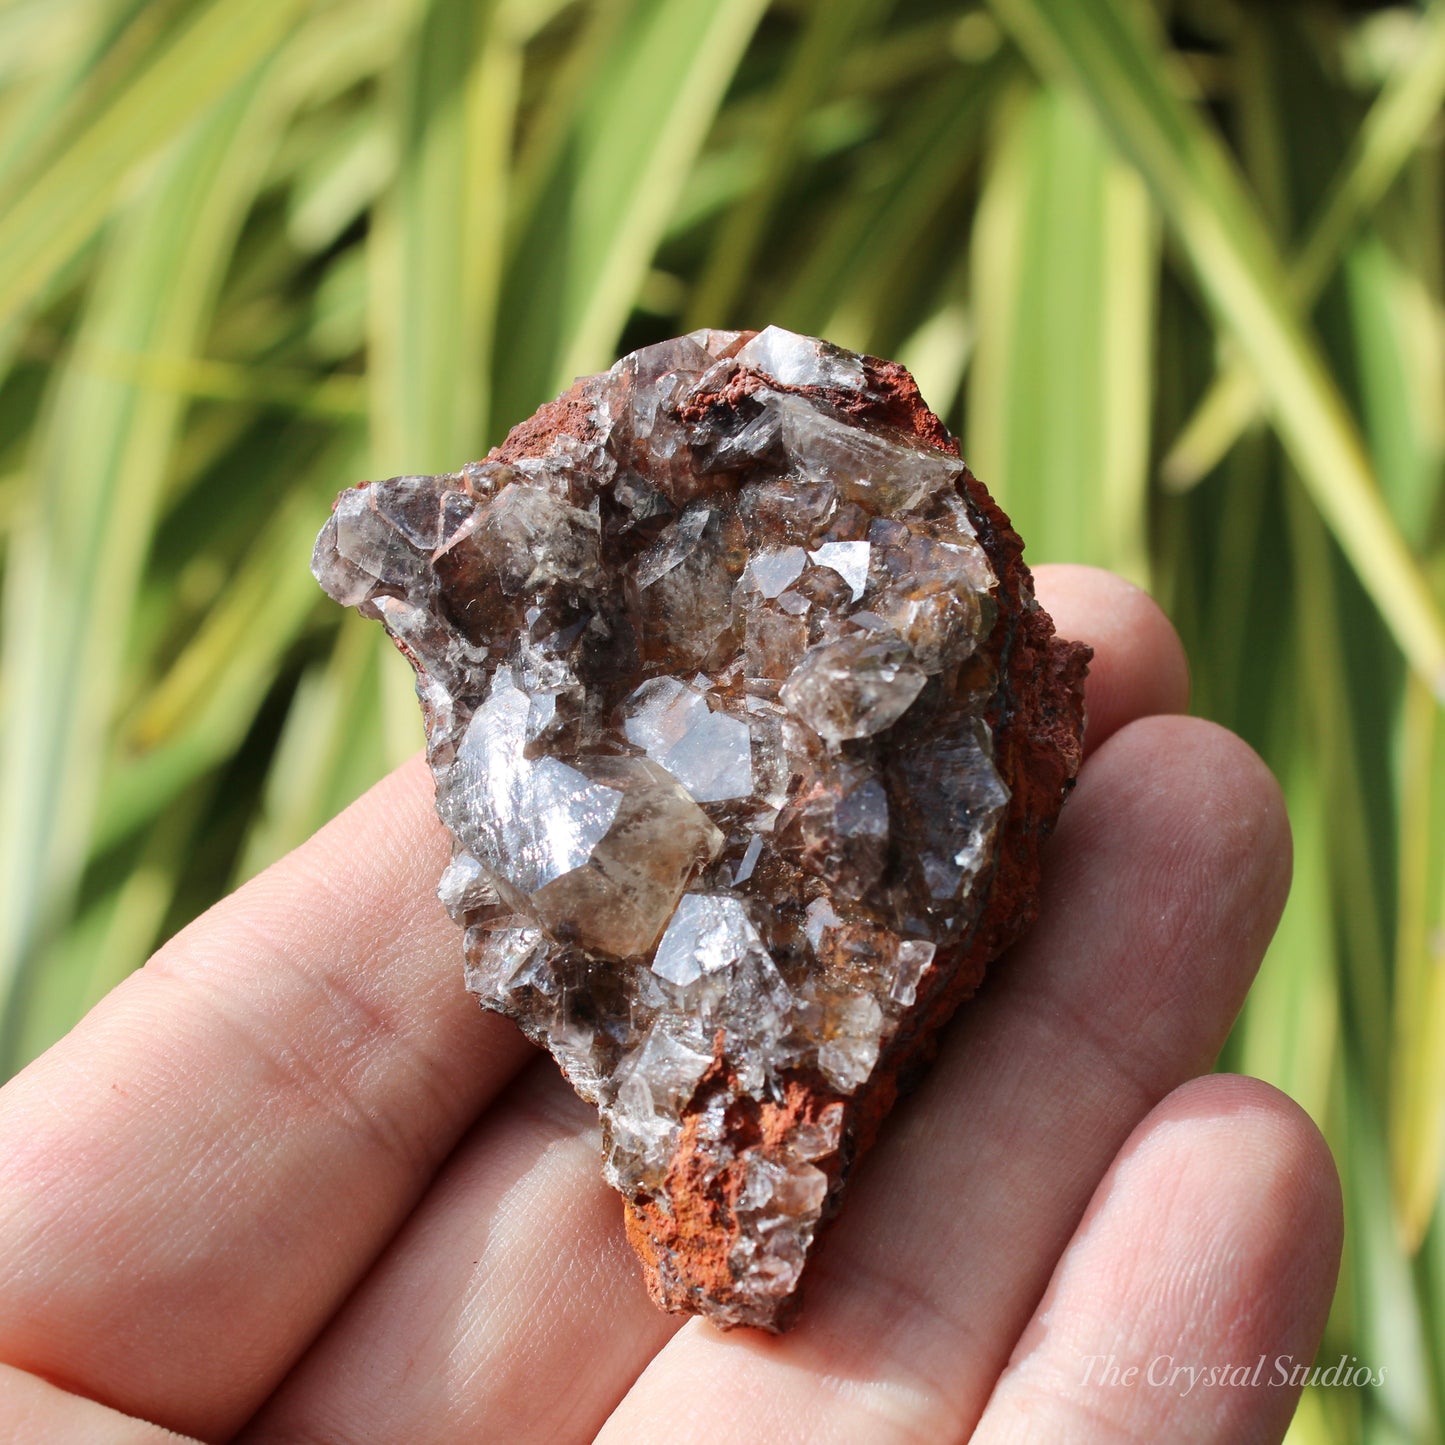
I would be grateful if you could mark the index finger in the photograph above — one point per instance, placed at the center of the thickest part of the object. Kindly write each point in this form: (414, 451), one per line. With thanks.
(222, 1146)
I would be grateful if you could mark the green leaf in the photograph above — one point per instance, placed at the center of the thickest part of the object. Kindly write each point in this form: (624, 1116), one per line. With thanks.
(839, 284)
(818, 53)
(586, 247)
(436, 249)
(1290, 1029)
(97, 470)
(1090, 45)
(195, 715)
(1406, 109)
(331, 749)
(1064, 263)
(185, 77)
(1417, 1113)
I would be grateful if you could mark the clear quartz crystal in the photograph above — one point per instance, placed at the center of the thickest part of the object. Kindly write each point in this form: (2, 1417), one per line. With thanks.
(849, 560)
(709, 753)
(702, 732)
(793, 360)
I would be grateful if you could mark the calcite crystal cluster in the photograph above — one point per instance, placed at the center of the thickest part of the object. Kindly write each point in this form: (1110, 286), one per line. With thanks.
(747, 730)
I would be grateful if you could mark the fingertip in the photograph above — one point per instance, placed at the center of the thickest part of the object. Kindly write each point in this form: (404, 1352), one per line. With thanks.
(1194, 1293)
(1268, 1138)
(1214, 812)
(1139, 666)
(1255, 1206)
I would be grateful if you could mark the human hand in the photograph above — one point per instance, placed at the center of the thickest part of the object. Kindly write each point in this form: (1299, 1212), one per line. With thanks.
(287, 1184)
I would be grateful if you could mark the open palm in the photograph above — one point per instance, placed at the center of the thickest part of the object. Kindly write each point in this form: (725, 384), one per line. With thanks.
(287, 1184)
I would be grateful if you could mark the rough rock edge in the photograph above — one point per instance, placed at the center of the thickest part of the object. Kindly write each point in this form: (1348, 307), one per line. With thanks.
(1037, 720)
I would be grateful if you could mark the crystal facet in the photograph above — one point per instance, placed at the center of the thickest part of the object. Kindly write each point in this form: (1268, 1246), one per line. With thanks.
(747, 729)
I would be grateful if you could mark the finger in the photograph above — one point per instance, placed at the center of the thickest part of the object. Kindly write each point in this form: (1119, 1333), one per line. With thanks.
(509, 1309)
(34, 1411)
(1139, 668)
(265, 1017)
(1163, 885)
(461, 1316)
(217, 1152)
(1192, 1299)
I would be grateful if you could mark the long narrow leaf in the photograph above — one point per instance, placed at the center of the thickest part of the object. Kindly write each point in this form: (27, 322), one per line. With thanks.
(616, 178)
(1058, 416)
(43, 230)
(436, 252)
(1408, 106)
(817, 55)
(1417, 1121)
(1092, 46)
(98, 466)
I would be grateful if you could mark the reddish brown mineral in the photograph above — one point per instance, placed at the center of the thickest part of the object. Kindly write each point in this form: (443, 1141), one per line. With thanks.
(747, 730)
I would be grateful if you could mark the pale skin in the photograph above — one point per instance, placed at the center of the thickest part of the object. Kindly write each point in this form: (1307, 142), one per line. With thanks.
(287, 1184)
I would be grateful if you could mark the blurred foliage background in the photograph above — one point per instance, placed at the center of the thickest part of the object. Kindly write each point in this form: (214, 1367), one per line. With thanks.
(1172, 270)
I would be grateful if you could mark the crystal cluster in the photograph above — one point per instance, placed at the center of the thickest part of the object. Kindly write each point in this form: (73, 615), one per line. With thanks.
(746, 729)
